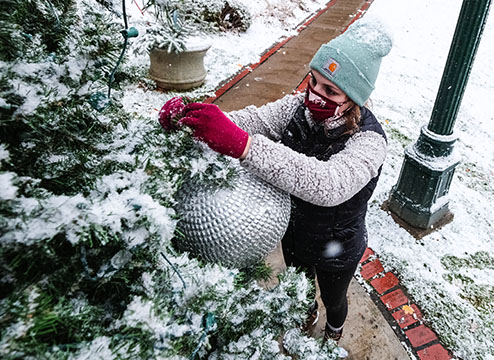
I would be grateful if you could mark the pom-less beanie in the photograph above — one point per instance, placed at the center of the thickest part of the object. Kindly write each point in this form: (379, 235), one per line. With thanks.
(352, 60)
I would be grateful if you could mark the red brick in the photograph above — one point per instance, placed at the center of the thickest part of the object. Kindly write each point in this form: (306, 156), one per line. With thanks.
(368, 252)
(420, 335)
(371, 268)
(434, 352)
(405, 319)
(394, 299)
(382, 284)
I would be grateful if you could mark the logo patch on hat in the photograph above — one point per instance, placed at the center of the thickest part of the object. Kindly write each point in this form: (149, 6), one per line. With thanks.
(331, 67)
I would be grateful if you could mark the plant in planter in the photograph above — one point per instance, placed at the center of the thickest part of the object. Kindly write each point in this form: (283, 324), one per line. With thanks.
(175, 42)
(176, 54)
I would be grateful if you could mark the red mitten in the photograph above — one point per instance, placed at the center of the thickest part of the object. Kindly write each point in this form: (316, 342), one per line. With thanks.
(215, 129)
(170, 113)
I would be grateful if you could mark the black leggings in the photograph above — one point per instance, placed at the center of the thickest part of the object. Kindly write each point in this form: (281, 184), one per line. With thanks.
(332, 284)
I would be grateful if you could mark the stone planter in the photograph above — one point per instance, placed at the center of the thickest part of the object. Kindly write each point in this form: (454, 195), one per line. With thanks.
(179, 71)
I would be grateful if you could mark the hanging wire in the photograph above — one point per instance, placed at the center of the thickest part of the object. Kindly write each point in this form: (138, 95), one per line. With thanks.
(124, 10)
(174, 269)
(99, 101)
(208, 320)
(126, 33)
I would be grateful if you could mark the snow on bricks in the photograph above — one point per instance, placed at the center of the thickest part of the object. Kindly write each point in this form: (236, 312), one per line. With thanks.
(420, 335)
(385, 283)
(422, 339)
(367, 253)
(371, 269)
(394, 299)
(407, 315)
(434, 352)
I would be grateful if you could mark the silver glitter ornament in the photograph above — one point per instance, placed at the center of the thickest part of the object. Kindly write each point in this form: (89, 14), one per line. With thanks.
(236, 225)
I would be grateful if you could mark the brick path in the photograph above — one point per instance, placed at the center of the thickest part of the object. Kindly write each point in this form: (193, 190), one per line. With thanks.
(404, 313)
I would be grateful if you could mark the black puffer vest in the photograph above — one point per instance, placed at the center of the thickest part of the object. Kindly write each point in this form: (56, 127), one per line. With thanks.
(332, 238)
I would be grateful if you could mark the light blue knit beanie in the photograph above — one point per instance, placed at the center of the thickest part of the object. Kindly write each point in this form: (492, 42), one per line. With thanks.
(352, 60)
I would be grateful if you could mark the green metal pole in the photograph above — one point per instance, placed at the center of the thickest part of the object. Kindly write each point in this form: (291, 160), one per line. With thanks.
(467, 36)
(419, 197)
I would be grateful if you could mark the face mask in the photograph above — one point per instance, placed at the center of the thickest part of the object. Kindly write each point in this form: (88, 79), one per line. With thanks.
(320, 107)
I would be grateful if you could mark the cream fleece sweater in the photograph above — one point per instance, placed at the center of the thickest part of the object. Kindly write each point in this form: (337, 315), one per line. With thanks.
(323, 183)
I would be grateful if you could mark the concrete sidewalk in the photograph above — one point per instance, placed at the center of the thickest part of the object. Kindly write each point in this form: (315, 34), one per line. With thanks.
(367, 334)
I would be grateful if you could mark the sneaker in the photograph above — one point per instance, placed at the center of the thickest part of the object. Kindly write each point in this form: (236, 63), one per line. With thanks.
(312, 318)
(331, 334)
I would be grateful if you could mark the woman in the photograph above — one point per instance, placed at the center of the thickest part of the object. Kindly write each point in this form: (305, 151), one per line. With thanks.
(323, 147)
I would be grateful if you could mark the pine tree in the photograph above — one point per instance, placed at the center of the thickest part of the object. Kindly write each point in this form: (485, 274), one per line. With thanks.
(87, 267)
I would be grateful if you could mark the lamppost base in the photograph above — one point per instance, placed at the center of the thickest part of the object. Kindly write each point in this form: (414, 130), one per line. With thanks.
(417, 232)
(420, 196)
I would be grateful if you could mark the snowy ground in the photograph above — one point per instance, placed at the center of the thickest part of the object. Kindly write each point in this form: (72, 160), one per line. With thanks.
(450, 272)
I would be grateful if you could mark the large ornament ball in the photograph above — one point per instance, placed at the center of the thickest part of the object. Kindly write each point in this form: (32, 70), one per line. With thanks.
(237, 225)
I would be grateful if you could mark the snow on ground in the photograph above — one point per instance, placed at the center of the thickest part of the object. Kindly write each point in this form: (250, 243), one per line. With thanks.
(448, 273)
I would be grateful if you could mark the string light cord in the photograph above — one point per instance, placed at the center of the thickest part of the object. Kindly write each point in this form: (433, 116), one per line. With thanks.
(99, 101)
(208, 320)
(174, 269)
(126, 33)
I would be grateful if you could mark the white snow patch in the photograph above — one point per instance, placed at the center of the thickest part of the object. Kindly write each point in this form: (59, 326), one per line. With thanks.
(8, 191)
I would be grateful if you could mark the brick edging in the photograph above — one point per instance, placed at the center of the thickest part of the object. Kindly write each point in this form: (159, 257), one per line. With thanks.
(404, 316)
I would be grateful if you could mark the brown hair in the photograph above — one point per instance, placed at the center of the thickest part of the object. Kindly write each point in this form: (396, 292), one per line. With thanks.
(352, 119)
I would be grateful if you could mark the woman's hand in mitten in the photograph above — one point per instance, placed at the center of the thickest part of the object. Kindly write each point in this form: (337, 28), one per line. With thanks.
(212, 126)
(171, 112)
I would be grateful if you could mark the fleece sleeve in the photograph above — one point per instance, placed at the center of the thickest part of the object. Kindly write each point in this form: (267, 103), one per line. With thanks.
(323, 183)
(268, 120)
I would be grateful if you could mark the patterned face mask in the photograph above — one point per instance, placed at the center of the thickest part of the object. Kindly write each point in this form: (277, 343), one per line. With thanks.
(320, 107)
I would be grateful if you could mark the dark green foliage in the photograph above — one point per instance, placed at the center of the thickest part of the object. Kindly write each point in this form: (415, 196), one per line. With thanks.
(69, 129)
(57, 142)
(26, 20)
(88, 211)
(258, 272)
(136, 341)
(8, 93)
(61, 272)
(28, 265)
(103, 40)
(54, 322)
